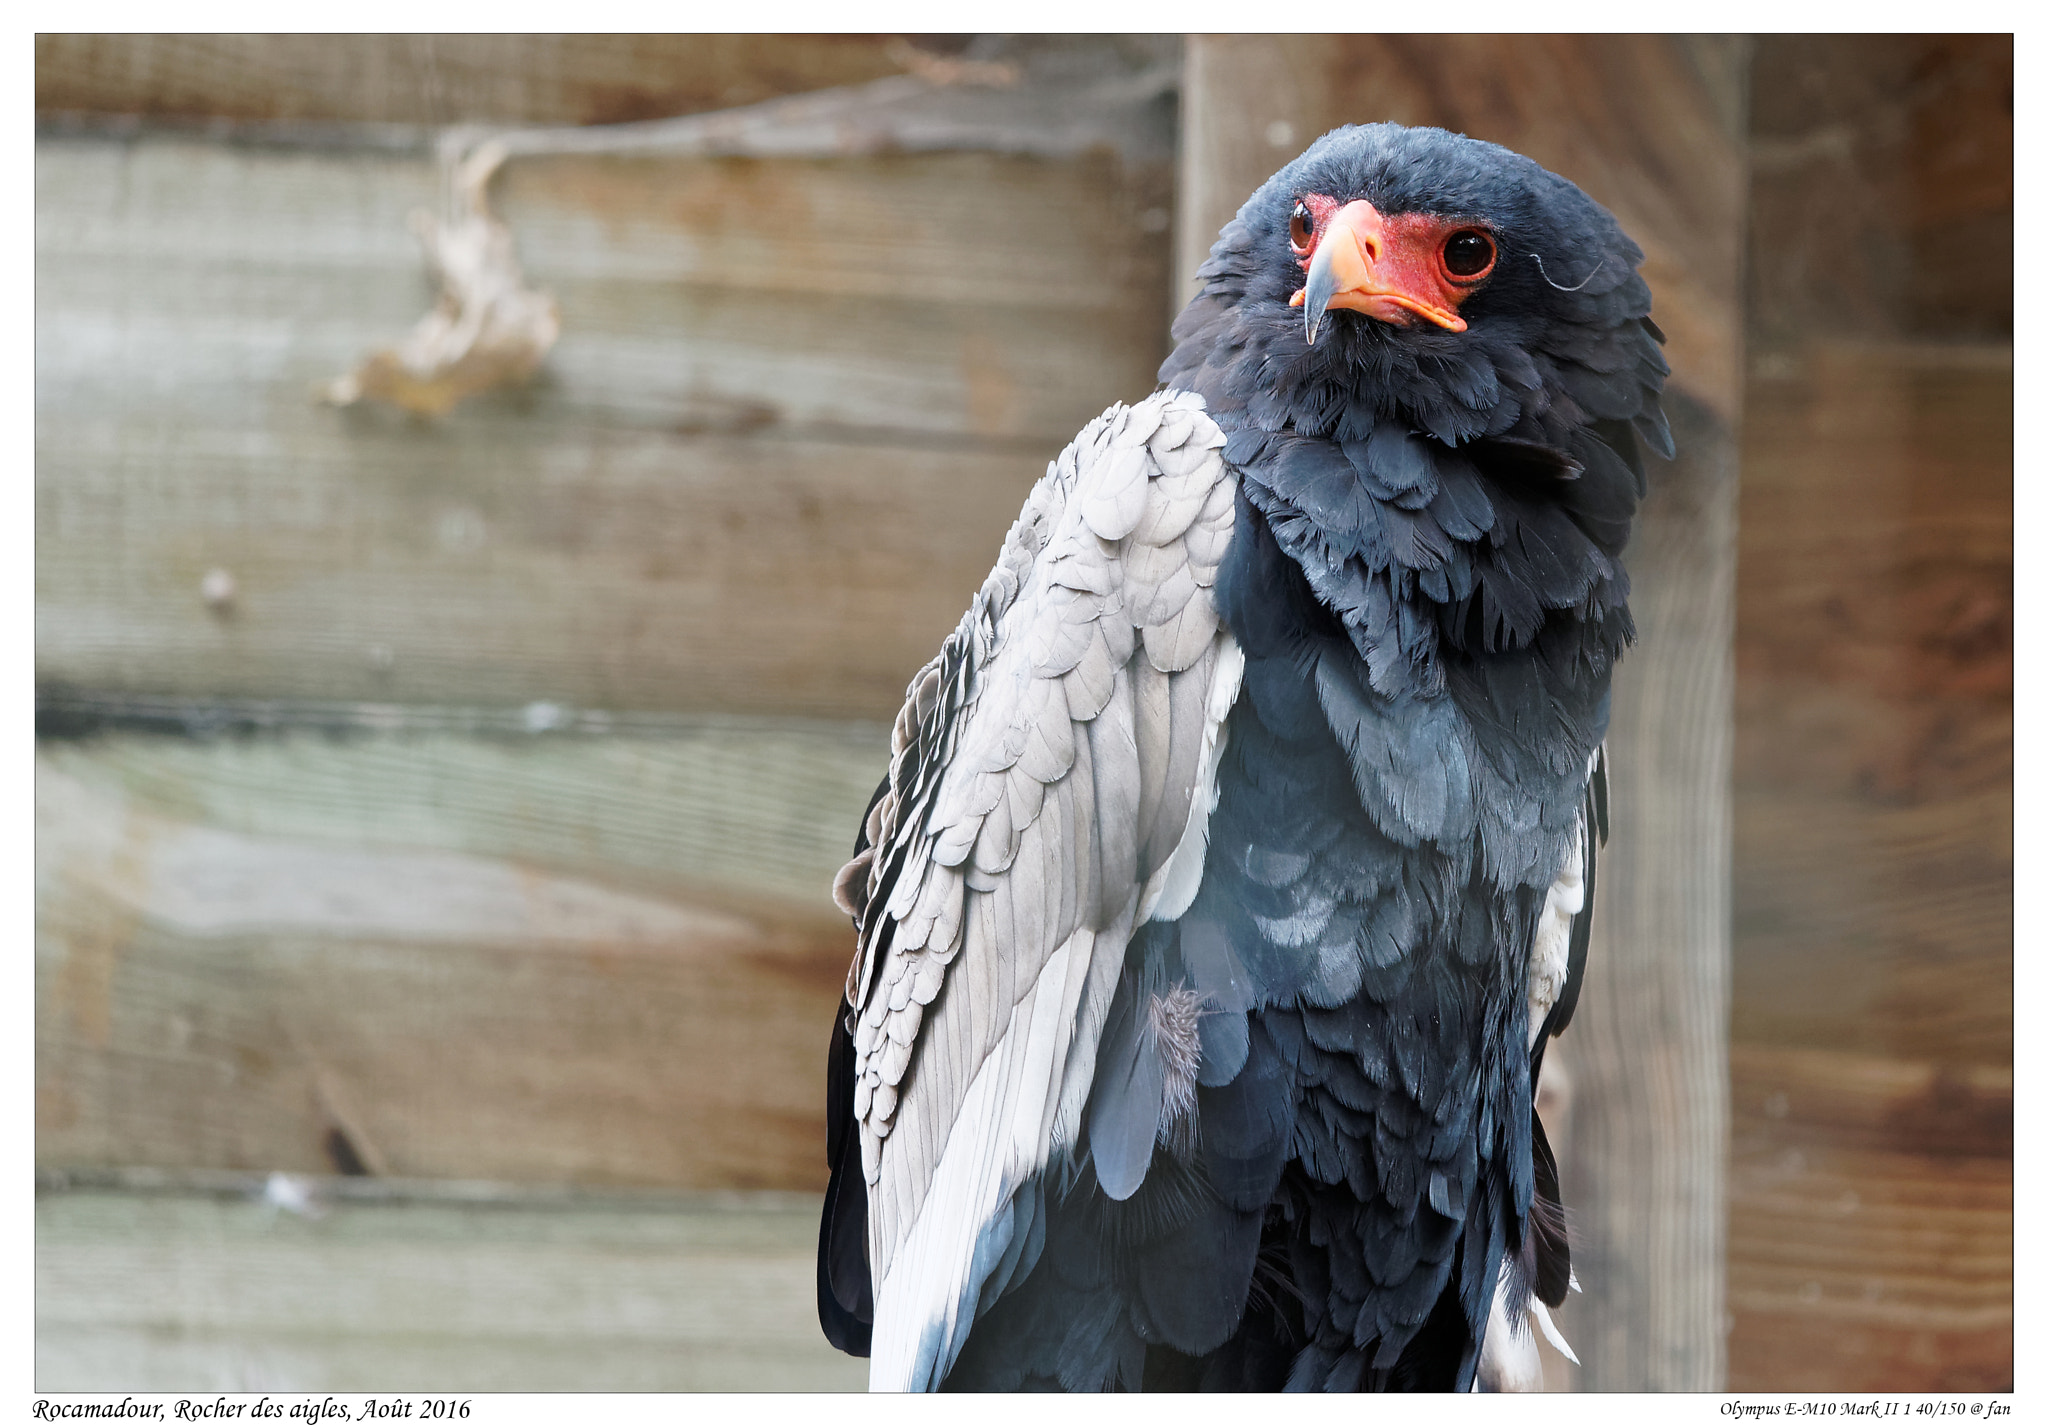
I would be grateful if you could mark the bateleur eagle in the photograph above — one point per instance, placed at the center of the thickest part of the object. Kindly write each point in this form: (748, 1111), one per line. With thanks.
(1235, 858)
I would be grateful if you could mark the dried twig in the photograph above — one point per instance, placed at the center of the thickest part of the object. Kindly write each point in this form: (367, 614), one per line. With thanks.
(489, 327)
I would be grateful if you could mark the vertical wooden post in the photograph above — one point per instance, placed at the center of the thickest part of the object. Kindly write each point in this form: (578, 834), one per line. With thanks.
(1644, 1156)
(1651, 127)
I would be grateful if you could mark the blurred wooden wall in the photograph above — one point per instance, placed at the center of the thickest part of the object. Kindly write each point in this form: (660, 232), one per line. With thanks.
(457, 800)
(487, 829)
(441, 78)
(1870, 1226)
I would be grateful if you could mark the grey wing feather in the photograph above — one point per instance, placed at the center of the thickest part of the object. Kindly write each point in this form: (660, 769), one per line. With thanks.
(1043, 771)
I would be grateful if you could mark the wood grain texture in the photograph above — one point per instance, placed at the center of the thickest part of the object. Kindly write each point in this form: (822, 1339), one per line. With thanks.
(765, 366)
(749, 808)
(1880, 521)
(1876, 929)
(549, 960)
(1871, 1224)
(441, 79)
(1874, 806)
(505, 79)
(1651, 127)
(1643, 1165)
(1878, 158)
(1870, 1213)
(178, 1291)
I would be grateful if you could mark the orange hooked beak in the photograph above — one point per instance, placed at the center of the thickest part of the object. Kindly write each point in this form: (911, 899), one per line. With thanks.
(1364, 263)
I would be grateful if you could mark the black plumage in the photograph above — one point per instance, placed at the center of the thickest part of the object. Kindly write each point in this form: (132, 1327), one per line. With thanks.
(1424, 578)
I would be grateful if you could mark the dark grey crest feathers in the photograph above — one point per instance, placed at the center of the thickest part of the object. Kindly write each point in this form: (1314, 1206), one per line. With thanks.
(1287, 1137)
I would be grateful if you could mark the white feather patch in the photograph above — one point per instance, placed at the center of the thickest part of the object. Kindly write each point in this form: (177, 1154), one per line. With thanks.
(1507, 1355)
(1171, 889)
(1540, 1313)
(1550, 956)
(929, 1297)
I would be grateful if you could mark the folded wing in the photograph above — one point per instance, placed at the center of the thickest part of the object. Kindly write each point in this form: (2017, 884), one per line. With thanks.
(1051, 777)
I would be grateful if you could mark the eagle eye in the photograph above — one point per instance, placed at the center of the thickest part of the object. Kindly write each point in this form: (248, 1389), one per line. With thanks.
(1301, 227)
(1468, 253)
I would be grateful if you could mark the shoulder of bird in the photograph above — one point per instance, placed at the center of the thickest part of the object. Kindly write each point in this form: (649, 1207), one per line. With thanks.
(1233, 866)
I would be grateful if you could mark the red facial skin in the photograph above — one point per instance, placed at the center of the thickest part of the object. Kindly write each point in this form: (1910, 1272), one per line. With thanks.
(1392, 269)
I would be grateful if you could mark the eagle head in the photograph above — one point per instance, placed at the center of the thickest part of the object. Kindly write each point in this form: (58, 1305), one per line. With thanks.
(1420, 276)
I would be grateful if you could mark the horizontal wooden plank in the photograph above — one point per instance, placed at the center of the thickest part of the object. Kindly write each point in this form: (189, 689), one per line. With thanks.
(1787, 1098)
(1870, 1221)
(180, 276)
(442, 79)
(1895, 875)
(601, 961)
(1837, 742)
(529, 78)
(795, 406)
(1872, 158)
(184, 1292)
(753, 809)
(675, 276)
(1877, 520)
(1873, 808)
(1796, 1350)
(642, 571)
(1880, 930)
